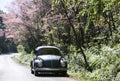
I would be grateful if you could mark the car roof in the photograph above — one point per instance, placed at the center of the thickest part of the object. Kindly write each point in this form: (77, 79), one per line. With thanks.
(40, 47)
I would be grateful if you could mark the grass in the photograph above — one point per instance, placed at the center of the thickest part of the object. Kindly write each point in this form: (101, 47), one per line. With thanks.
(77, 76)
(23, 59)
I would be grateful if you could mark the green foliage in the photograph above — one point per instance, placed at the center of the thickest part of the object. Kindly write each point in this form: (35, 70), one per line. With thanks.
(105, 62)
(6, 45)
(21, 49)
(117, 77)
(75, 59)
(24, 58)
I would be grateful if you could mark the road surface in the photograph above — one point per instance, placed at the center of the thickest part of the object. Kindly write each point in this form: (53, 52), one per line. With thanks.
(13, 71)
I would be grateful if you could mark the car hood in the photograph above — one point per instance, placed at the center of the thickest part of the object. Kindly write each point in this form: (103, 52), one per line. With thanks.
(49, 57)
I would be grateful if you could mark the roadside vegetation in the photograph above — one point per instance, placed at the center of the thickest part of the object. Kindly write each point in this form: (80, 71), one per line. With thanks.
(87, 32)
(104, 61)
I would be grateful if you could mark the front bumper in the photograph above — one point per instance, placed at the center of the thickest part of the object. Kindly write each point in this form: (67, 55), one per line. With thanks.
(51, 69)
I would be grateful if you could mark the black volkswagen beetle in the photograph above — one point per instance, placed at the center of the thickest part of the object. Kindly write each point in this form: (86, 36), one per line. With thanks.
(48, 59)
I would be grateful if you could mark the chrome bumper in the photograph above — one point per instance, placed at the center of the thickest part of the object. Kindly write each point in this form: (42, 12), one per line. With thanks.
(51, 69)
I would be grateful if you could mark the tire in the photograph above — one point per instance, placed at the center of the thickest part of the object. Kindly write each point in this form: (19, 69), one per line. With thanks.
(32, 72)
(35, 73)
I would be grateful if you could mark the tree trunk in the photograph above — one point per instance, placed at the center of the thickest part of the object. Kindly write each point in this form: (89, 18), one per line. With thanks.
(76, 37)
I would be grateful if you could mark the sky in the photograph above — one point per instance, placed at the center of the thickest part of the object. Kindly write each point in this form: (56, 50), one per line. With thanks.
(4, 4)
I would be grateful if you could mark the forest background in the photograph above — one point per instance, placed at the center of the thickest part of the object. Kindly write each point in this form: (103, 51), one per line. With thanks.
(87, 32)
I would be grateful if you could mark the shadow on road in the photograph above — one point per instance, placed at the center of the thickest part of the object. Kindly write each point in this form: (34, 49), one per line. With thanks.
(52, 75)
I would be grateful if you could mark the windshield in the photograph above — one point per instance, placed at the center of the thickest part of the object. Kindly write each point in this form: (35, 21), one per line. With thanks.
(49, 51)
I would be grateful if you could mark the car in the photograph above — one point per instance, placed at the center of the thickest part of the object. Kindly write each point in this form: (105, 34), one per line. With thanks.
(48, 59)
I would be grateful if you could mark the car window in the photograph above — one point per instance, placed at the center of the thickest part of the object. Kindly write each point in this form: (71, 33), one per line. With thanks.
(49, 51)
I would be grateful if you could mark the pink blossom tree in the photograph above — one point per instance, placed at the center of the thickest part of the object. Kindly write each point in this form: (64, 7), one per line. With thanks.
(26, 17)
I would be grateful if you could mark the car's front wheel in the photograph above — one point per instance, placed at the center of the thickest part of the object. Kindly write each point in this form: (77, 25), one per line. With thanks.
(32, 72)
(36, 73)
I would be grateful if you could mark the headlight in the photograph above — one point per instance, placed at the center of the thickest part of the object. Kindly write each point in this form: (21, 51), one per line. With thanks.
(63, 62)
(39, 62)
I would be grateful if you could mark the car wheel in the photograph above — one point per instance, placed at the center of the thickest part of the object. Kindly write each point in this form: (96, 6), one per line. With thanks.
(35, 73)
(32, 72)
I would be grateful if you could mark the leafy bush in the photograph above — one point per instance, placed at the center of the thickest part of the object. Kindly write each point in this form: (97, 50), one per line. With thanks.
(117, 77)
(75, 60)
(24, 57)
(105, 62)
(20, 48)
